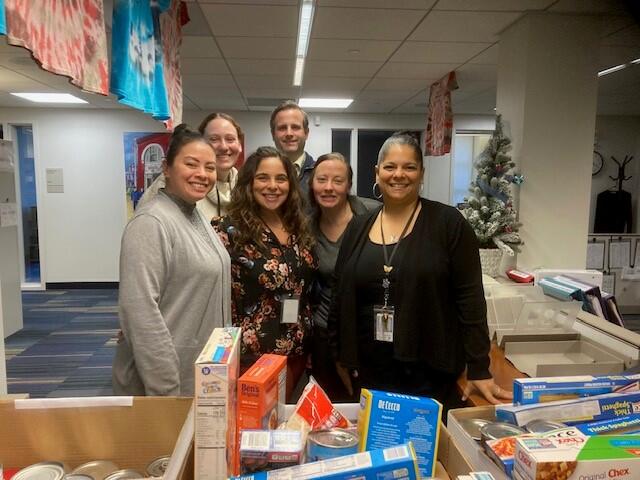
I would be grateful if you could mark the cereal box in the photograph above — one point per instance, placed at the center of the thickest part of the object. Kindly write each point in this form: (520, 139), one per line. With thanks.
(527, 391)
(571, 412)
(216, 376)
(387, 419)
(610, 457)
(261, 395)
(396, 463)
(269, 449)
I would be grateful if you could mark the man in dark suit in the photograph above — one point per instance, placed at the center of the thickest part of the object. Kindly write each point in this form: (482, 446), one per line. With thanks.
(290, 130)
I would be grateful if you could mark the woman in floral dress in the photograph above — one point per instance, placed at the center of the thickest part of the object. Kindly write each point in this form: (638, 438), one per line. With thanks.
(272, 262)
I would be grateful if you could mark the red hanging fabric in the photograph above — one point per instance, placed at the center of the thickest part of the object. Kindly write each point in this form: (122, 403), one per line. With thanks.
(171, 23)
(440, 119)
(67, 38)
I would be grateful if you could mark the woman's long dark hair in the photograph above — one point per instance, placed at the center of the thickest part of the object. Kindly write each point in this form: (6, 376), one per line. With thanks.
(244, 211)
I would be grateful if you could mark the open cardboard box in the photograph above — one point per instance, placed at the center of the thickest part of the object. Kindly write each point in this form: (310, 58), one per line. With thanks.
(130, 431)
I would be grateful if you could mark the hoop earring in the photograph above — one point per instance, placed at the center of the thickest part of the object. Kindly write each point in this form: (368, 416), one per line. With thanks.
(373, 190)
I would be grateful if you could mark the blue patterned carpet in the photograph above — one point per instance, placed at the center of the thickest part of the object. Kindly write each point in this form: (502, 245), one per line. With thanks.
(66, 346)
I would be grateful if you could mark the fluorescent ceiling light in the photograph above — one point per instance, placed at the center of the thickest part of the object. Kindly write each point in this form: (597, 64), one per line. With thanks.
(304, 34)
(325, 102)
(636, 61)
(612, 69)
(50, 97)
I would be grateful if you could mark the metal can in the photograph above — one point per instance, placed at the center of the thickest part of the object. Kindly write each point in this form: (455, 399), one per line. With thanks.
(543, 426)
(472, 426)
(124, 475)
(42, 471)
(158, 466)
(78, 476)
(325, 444)
(97, 469)
(496, 430)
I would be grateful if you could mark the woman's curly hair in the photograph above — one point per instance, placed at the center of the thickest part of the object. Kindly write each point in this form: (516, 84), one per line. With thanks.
(244, 211)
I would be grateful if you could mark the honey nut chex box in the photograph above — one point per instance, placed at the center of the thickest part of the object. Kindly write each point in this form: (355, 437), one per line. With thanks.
(603, 457)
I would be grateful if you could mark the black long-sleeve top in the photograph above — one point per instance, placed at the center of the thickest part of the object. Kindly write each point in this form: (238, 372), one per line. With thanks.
(441, 311)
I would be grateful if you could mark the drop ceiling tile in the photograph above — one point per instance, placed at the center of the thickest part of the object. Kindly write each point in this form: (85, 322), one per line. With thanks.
(201, 66)
(483, 103)
(258, 47)
(468, 89)
(629, 36)
(251, 20)
(207, 80)
(360, 23)
(428, 71)
(618, 30)
(283, 92)
(332, 87)
(487, 57)
(263, 81)
(398, 84)
(252, 2)
(199, 47)
(261, 67)
(589, 6)
(493, 5)
(402, 4)
(188, 104)
(218, 104)
(351, 50)
(436, 52)
(341, 69)
(372, 106)
(445, 26)
(471, 72)
(197, 24)
(610, 56)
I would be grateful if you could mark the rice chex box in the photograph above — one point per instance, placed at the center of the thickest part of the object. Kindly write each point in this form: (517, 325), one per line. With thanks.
(388, 419)
(610, 457)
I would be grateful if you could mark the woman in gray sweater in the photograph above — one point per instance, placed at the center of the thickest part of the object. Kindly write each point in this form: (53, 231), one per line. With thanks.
(175, 278)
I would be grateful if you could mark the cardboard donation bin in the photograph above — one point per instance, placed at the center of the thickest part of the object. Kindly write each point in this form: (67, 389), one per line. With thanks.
(129, 431)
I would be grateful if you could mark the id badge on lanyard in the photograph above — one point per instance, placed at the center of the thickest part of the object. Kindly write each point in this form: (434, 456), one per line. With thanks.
(383, 316)
(290, 305)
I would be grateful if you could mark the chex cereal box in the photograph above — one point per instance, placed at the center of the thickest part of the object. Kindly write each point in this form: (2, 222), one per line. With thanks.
(269, 449)
(603, 457)
(216, 376)
(571, 412)
(261, 395)
(396, 463)
(527, 391)
(388, 419)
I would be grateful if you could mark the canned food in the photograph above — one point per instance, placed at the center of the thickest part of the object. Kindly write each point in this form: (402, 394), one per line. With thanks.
(157, 467)
(78, 476)
(325, 444)
(124, 475)
(496, 430)
(42, 471)
(543, 426)
(98, 469)
(472, 426)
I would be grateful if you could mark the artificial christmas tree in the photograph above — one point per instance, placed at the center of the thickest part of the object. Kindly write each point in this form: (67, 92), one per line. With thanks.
(489, 207)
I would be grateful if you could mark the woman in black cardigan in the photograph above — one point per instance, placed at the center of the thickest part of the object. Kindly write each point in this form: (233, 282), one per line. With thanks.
(408, 312)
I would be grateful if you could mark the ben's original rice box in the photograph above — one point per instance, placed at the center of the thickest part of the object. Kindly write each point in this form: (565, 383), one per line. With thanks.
(261, 395)
(527, 391)
(216, 376)
(388, 419)
(396, 463)
(571, 412)
(610, 457)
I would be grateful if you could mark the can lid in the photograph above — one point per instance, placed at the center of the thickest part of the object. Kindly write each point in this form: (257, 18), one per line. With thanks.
(158, 466)
(472, 426)
(78, 476)
(543, 426)
(495, 430)
(124, 474)
(336, 438)
(98, 469)
(41, 471)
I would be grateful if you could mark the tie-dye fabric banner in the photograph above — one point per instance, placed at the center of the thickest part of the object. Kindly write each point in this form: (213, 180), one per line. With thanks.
(440, 120)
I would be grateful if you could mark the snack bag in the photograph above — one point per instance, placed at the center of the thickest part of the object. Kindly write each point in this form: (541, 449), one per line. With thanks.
(314, 411)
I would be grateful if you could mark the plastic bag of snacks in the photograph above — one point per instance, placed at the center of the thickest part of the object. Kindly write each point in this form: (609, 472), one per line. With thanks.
(314, 411)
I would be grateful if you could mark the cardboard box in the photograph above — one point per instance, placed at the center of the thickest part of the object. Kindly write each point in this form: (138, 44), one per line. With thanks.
(130, 431)
(603, 456)
(398, 463)
(262, 450)
(388, 419)
(528, 391)
(216, 377)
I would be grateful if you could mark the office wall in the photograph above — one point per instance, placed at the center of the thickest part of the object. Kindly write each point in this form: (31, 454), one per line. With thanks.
(617, 136)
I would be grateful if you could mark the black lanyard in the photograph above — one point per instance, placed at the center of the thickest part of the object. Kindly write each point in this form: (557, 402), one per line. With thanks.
(386, 283)
(218, 197)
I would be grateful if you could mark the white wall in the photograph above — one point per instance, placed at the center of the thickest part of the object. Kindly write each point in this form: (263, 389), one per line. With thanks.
(617, 136)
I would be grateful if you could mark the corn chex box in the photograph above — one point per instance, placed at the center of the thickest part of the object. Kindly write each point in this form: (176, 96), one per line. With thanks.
(528, 391)
(395, 463)
(216, 377)
(388, 419)
(610, 457)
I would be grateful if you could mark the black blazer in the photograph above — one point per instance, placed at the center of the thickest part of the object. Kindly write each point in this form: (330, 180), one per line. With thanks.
(442, 317)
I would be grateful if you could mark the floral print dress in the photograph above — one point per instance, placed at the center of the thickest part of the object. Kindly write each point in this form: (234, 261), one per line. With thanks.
(261, 278)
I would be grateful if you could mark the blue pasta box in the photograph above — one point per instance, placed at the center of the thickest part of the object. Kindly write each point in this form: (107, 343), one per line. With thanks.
(629, 424)
(395, 463)
(387, 419)
(527, 391)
